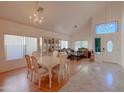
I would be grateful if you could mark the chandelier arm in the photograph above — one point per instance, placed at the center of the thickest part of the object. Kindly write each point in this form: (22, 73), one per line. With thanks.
(37, 18)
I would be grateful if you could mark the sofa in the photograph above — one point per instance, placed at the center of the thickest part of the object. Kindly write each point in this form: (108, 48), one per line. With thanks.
(79, 54)
(83, 52)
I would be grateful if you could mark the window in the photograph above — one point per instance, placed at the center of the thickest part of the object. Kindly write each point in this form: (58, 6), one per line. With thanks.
(64, 44)
(81, 44)
(14, 47)
(31, 45)
(107, 28)
(98, 45)
(109, 46)
(17, 46)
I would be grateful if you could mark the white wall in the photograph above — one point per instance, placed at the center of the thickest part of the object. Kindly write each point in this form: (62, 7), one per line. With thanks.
(122, 36)
(113, 13)
(83, 35)
(7, 27)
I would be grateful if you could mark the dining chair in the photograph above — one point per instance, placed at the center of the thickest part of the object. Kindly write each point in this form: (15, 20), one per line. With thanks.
(36, 54)
(61, 54)
(39, 72)
(29, 66)
(62, 67)
(55, 54)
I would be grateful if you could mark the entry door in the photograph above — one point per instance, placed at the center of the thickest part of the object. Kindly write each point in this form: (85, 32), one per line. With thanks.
(109, 49)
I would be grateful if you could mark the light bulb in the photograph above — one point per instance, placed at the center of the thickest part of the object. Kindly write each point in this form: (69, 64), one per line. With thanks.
(41, 17)
(41, 21)
(30, 17)
(34, 14)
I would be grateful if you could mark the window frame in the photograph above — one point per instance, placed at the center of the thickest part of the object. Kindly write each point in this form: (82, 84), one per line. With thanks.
(105, 23)
(80, 44)
(63, 41)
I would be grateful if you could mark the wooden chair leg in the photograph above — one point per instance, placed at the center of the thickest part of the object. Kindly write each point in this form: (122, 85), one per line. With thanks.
(68, 69)
(63, 73)
(28, 74)
(31, 75)
(59, 78)
(39, 82)
(36, 77)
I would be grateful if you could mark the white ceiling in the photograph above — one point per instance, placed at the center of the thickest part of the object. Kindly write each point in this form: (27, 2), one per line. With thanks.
(59, 16)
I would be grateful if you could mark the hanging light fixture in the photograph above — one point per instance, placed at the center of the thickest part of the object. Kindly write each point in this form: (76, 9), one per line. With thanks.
(37, 17)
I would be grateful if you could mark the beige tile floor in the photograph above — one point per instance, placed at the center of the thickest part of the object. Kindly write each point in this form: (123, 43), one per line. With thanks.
(97, 77)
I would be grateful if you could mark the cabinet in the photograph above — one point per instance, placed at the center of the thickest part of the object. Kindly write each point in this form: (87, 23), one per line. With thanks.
(49, 45)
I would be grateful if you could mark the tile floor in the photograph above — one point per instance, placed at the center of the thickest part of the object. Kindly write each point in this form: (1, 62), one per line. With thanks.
(97, 77)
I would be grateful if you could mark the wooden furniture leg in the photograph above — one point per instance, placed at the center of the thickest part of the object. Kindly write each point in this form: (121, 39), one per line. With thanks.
(50, 78)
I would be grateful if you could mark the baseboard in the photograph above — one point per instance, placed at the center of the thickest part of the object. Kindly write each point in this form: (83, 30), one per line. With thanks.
(12, 69)
(110, 62)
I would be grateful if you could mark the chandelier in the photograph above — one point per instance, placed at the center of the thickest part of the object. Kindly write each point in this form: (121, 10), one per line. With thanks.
(37, 17)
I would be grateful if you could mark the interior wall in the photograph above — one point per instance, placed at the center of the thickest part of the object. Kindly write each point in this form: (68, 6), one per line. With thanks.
(8, 27)
(113, 13)
(122, 44)
(122, 36)
(84, 34)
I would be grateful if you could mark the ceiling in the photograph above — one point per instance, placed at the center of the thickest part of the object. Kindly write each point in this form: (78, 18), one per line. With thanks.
(59, 16)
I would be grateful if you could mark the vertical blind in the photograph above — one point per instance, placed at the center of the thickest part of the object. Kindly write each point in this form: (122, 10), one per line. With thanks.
(13, 46)
(17, 46)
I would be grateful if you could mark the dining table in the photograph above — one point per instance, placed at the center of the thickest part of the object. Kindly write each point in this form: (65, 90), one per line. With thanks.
(49, 62)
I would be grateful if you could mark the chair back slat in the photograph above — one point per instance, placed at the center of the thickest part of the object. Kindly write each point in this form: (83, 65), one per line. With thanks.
(28, 61)
(35, 64)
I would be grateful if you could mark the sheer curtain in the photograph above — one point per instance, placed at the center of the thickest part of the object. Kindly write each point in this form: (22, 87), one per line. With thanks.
(17, 46)
(14, 47)
(31, 45)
